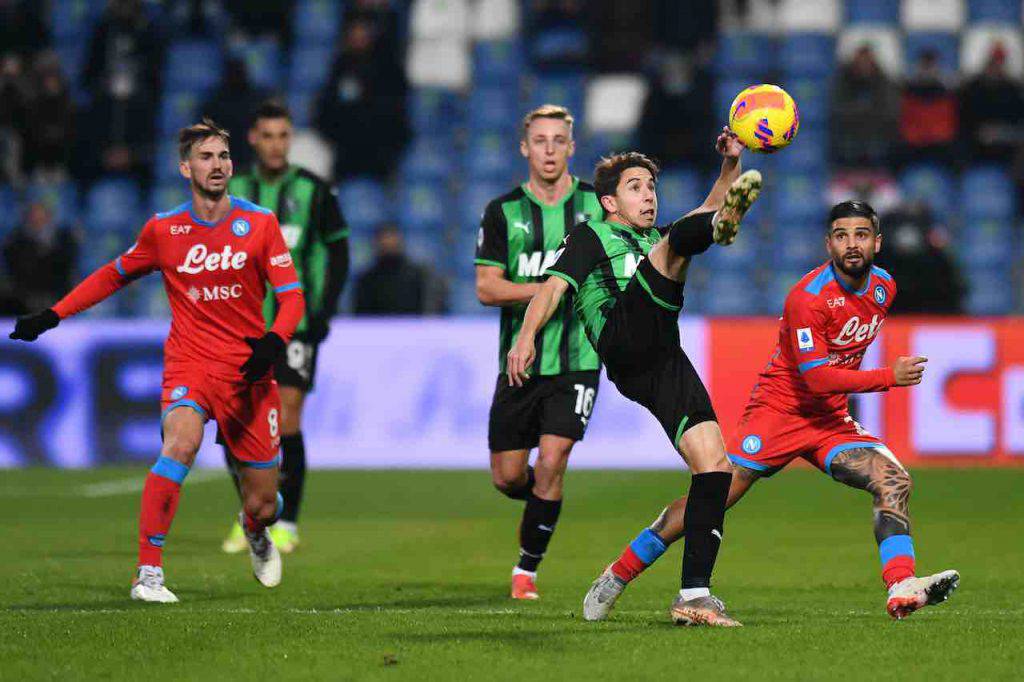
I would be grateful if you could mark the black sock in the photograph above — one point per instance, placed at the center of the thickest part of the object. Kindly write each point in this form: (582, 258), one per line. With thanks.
(692, 235)
(229, 461)
(536, 529)
(524, 491)
(293, 475)
(703, 518)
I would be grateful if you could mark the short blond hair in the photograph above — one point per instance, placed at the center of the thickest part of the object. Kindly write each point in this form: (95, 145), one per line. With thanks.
(554, 111)
(187, 137)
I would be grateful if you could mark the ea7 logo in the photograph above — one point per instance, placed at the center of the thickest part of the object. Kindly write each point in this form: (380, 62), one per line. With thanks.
(200, 258)
(837, 302)
(181, 229)
(533, 264)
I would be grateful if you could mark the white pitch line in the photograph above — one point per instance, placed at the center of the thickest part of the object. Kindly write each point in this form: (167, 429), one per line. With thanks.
(124, 486)
(309, 612)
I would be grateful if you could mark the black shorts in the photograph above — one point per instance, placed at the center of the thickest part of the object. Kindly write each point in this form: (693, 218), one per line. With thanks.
(641, 349)
(558, 405)
(297, 366)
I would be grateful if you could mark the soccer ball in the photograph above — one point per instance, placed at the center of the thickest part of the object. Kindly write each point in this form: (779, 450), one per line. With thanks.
(764, 118)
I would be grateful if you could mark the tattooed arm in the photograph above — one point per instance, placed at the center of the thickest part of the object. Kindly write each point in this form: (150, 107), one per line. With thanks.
(887, 481)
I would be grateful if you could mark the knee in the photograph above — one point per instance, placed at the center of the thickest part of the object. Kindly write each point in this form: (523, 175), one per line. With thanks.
(261, 507)
(180, 449)
(506, 482)
(892, 484)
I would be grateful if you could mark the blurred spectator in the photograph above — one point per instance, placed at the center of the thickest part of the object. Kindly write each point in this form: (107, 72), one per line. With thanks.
(40, 257)
(231, 106)
(877, 186)
(262, 19)
(677, 120)
(929, 116)
(22, 28)
(13, 103)
(556, 30)
(50, 134)
(381, 14)
(865, 112)
(196, 18)
(686, 26)
(361, 110)
(992, 107)
(914, 251)
(394, 285)
(623, 32)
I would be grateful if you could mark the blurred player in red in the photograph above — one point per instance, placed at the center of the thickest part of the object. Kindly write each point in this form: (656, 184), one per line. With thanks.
(799, 409)
(216, 254)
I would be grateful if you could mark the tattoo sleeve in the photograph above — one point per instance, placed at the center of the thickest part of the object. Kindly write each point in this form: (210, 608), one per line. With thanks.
(887, 481)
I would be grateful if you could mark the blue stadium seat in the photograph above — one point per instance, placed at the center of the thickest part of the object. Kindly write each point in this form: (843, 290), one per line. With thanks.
(807, 54)
(310, 66)
(165, 161)
(427, 247)
(193, 66)
(741, 256)
(473, 200)
(497, 62)
(424, 206)
(433, 110)
(316, 21)
(987, 243)
(494, 109)
(61, 197)
(726, 90)
(737, 294)
(812, 97)
(1002, 11)
(302, 104)
(10, 209)
(166, 196)
(177, 110)
(745, 54)
(567, 89)
(988, 292)
(428, 158)
(680, 190)
(591, 147)
(493, 156)
(947, 45)
(932, 184)
(263, 62)
(987, 192)
(559, 44)
(781, 281)
(463, 300)
(873, 12)
(73, 20)
(365, 203)
(71, 56)
(808, 153)
(797, 247)
(796, 199)
(114, 205)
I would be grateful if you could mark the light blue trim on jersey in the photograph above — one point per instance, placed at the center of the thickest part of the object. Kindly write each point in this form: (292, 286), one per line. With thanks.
(200, 221)
(119, 267)
(171, 469)
(287, 287)
(748, 463)
(260, 465)
(894, 546)
(884, 274)
(818, 283)
(187, 206)
(245, 205)
(184, 403)
(811, 364)
(867, 282)
(843, 448)
(648, 546)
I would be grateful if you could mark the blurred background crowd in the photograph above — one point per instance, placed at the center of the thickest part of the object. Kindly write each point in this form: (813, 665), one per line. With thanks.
(411, 108)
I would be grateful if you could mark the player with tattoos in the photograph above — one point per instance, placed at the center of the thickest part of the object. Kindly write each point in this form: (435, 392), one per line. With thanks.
(798, 408)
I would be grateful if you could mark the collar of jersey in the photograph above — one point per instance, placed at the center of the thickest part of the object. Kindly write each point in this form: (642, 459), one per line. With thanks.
(292, 169)
(568, 195)
(204, 223)
(836, 277)
(625, 228)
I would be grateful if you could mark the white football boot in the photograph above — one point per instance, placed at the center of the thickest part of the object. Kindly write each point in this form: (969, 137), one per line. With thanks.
(738, 199)
(266, 560)
(602, 595)
(148, 585)
(911, 594)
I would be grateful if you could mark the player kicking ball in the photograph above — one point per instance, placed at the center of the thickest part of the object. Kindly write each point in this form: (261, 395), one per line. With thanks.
(798, 408)
(627, 277)
(215, 253)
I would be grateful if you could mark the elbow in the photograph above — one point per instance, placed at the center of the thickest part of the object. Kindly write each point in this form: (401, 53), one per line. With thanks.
(485, 295)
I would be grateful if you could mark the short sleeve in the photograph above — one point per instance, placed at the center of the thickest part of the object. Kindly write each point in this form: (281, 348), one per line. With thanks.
(808, 326)
(277, 265)
(580, 253)
(141, 258)
(492, 240)
(330, 221)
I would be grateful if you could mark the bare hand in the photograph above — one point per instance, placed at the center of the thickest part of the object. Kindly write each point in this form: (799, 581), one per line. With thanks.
(519, 360)
(908, 370)
(728, 145)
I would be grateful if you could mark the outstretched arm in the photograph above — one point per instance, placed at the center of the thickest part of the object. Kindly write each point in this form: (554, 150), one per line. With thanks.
(540, 310)
(825, 380)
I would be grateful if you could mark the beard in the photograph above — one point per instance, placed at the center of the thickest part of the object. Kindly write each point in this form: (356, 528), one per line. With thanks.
(857, 271)
(211, 194)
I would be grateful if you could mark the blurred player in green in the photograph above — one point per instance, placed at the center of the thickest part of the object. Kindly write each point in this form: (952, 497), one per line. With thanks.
(520, 235)
(317, 237)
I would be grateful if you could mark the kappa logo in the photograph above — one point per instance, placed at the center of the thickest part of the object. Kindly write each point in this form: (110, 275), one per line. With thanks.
(880, 294)
(281, 260)
(179, 392)
(804, 339)
(181, 229)
(199, 258)
(240, 227)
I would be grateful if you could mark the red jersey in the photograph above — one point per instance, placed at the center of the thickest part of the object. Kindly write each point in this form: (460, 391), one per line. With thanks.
(215, 276)
(824, 332)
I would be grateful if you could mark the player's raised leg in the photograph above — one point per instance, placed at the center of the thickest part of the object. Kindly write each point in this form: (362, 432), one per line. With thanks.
(183, 433)
(878, 472)
(262, 505)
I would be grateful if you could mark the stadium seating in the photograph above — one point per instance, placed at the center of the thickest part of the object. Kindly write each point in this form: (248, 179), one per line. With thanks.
(439, 64)
(932, 184)
(365, 203)
(497, 63)
(263, 61)
(316, 22)
(491, 156)
(933, 15)
(744, 52)
(614, 103)
(428, 158)
(987, 193)
(494, 19)
(806, 54)
(873, 12)
(10, 210)
(800, 15)
(113, 204)
(994, 10)
(989, 293)
(193, 66)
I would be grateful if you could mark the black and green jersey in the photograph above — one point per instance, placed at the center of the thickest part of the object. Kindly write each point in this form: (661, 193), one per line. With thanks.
(311, 222)
(598, 261)
(522, 236)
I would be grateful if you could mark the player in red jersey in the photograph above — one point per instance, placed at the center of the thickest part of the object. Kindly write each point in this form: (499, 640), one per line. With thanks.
(798, 408)
(216, 254)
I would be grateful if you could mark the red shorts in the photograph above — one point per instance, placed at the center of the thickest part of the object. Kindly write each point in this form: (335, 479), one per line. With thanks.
(247, 414)
(766, 440)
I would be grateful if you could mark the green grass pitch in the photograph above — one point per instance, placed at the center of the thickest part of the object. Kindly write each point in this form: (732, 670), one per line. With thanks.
(403, 575)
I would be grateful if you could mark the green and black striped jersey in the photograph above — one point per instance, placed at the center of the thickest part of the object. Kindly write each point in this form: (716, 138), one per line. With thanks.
(522, 236)
(598, 261)
(311, 222)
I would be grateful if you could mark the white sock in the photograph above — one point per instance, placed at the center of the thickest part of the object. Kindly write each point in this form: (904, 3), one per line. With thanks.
(518, 571)
(694, 592)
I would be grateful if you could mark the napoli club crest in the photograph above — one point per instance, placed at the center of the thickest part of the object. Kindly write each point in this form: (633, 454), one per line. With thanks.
(179, 392)
(879, 294)
(240, 227)
(752, 445)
